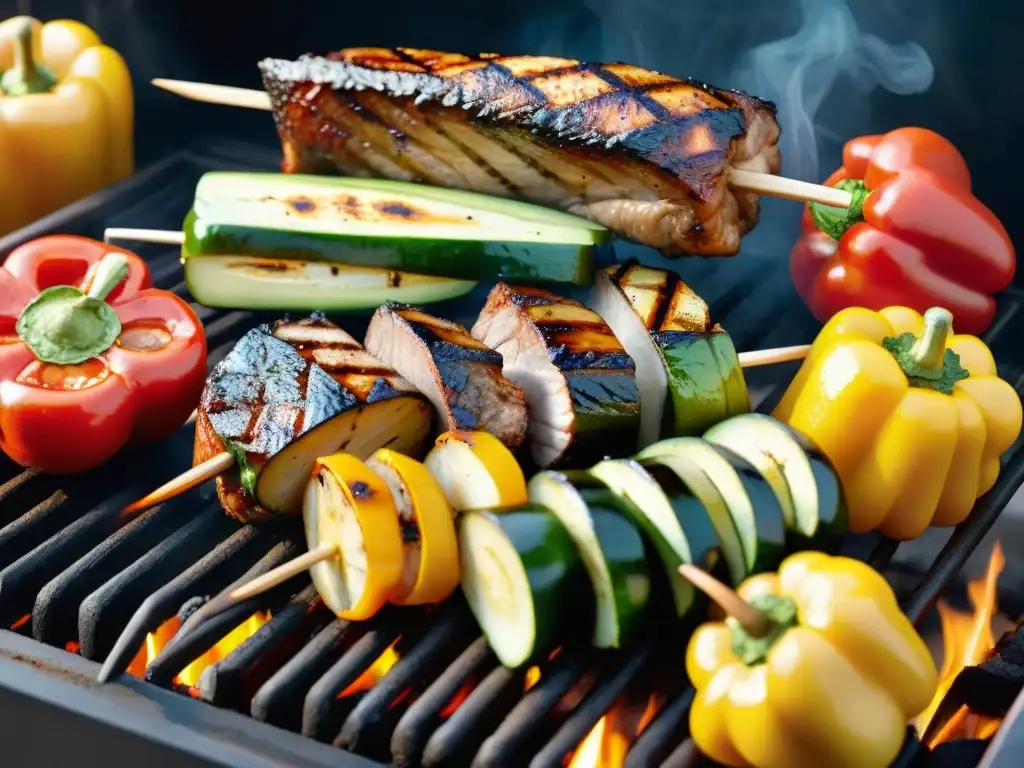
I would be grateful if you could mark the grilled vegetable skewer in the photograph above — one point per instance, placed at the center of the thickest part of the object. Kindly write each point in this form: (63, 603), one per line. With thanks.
(687, 370)
(460, 376)
(218, 463)
(577, 379)
(760, 181)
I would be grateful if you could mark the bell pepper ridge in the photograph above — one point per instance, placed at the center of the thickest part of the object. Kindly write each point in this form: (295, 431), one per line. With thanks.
(27, 76)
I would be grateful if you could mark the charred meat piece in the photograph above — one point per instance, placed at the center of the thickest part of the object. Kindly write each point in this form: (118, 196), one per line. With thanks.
(460, 376)
(578, 380)
(643, 153)
(290, 393)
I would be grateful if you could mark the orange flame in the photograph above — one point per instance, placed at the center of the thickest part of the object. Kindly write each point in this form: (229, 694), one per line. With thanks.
(967, 640)
(189, 676)
(373, 673)
(611, 737)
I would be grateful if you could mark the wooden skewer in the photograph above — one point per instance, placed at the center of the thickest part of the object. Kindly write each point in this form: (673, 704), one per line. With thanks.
(752, 181)
(281, 574)
(198, 475)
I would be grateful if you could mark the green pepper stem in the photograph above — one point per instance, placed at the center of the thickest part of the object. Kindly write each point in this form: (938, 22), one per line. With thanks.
(929, 351)
(753, 621)
(110, 271)
(26, 76)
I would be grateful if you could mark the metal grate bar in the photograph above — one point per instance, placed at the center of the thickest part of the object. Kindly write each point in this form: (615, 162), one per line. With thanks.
(520, 732)
(422, 655)
(234, 681)
(322, 711)
(430, 710)
(186, 647)
(279, 699)
(103, 613)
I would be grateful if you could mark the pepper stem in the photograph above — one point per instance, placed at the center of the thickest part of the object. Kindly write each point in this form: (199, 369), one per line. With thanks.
(929, 351)
(26, 76)
(109, 272)
(754, 622)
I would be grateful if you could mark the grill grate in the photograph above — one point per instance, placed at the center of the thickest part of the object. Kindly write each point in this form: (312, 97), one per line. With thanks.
(75, 573)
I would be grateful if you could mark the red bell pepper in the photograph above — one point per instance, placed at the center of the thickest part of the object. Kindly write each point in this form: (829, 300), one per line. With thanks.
(914, 235)
(92, 357)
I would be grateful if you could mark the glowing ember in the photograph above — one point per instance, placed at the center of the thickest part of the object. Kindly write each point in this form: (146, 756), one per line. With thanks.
(373, 673)
(532, 676)
(967, 640)
(189, 676)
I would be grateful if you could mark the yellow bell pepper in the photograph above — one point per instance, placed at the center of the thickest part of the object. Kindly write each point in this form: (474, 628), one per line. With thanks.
(66, 117)
(913, 418)
(832, 679)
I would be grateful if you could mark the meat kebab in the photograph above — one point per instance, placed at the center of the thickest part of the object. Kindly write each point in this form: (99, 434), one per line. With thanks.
(643, 153)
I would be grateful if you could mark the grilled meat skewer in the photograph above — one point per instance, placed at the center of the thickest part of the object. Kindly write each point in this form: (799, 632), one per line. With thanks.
(290, 393)
(643, 153)
(578, 380)
(459, 375)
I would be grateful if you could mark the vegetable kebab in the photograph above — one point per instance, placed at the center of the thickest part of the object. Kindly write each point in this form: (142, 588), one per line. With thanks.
(577, 383)
(584, 550)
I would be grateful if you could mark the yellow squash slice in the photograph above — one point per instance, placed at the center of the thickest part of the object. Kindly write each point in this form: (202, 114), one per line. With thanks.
(431, 552)
(347, 505)
(476, 471)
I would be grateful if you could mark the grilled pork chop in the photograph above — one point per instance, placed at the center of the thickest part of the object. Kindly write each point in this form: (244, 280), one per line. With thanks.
(460, 376)
(289, 393)
(578, 380)
(640, 152)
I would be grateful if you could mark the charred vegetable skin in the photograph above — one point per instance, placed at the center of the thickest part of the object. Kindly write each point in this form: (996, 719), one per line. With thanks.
(405, 228)
(667, 329)
(578, 381)
(643, 153)
(833, 682)
(290, 393)
(460, 376)
(92, 357)
(913, 418)
(915, 236)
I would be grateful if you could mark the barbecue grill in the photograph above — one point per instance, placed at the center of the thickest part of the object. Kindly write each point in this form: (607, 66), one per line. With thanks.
(76, 575)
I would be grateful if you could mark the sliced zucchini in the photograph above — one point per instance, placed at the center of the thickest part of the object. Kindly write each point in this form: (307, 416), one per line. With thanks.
(430, 558)
(670, 516)
(801, 476)
(751, 501)
(610, 547)
(476, 471)
(696, 482)
(348, 506)
(390, 225)
(246, 282)
(687, 370)
(519, 567)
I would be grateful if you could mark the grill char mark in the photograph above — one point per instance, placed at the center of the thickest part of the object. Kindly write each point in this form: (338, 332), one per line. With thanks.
(277, 383)
(645, 153)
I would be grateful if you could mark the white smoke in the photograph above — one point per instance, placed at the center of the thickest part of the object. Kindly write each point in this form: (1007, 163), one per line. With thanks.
(799, 72)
